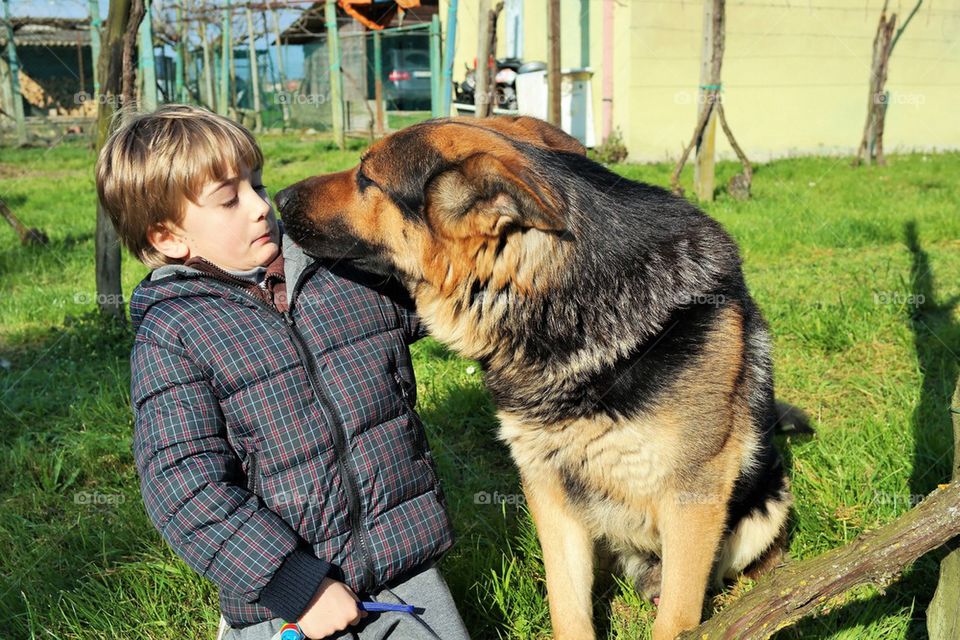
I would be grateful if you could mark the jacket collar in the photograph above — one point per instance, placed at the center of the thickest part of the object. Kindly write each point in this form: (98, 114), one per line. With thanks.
(295, 262)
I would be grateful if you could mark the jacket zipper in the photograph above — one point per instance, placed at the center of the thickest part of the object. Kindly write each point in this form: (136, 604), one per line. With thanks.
(326, 406)
(340, 442)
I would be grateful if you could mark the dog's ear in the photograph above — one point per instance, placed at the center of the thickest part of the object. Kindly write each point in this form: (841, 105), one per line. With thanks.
(551, 137)
(530, 130)
(486, 195)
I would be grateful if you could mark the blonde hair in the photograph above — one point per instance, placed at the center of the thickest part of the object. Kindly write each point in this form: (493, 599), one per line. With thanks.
(153, 163)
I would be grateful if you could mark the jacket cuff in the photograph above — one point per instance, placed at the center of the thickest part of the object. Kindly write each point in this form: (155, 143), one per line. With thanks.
(294, 585)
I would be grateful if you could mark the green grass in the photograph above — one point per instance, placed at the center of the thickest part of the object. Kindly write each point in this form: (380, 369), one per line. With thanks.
(832, 254)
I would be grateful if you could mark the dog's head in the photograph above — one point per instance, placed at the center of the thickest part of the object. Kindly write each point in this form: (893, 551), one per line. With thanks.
(443, 203)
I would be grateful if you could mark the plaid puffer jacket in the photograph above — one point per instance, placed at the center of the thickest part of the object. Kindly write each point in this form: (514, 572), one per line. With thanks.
(275, 449)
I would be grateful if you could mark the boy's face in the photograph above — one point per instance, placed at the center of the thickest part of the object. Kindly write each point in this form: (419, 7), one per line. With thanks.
(232, 225)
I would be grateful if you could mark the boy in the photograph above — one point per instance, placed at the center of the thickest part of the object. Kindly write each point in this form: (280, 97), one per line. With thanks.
(278, 450)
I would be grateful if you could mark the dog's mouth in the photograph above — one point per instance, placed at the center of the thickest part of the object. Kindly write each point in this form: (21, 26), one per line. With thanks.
(335, 244)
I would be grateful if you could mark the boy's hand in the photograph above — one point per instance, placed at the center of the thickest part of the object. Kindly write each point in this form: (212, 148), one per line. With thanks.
(333, 608)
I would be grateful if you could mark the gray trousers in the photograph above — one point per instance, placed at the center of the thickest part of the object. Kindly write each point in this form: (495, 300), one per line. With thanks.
(436, 618)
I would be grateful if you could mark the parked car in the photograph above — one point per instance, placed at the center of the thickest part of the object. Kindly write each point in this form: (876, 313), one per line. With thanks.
(407, 83)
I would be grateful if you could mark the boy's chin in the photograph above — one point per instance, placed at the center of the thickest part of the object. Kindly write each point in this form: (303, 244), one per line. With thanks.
(266, 254)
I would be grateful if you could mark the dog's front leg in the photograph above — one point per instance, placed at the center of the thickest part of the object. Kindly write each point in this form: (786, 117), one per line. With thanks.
(567, 557)
(690, 527)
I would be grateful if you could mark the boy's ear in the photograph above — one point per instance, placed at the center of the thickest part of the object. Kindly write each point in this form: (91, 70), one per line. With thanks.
(167, 242)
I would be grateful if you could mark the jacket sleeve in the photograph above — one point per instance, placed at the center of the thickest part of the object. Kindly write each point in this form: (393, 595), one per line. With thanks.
(195, 494)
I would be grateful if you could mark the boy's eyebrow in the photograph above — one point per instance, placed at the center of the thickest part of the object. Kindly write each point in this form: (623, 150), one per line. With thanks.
(226, 183)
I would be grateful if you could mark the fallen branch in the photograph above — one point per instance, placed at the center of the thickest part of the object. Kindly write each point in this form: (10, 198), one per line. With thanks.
(799, 588)
(27, 236)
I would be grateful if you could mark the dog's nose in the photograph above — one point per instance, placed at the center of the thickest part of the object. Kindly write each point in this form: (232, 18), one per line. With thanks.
(283, 199)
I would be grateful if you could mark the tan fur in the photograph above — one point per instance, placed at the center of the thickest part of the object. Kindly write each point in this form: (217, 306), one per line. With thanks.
(650, 486)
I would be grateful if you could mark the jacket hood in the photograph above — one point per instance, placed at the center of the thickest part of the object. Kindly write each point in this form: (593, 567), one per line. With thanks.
(179, 281)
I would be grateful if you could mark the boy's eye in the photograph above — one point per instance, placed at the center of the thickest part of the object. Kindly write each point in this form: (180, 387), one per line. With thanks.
(233, 202)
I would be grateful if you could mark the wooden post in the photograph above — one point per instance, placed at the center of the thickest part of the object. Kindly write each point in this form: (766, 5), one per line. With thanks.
(254, 73)
(554, 114)
(336, 74)
(207, 68)
(80, 65)
(481, 93)
(584, 33)
(436, 99)
(95, 44)
(703, 166)
(448, 58)
(226, 42)
(284, 106)
(117, 60)
(188, 65)
(148, 64)
(178, 56)
(14, 67)
(943, 614)
(233, 74)
(378, 79)
(606, 73)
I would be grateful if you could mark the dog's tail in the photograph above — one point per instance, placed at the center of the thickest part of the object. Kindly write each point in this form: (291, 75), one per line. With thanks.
(791, 420)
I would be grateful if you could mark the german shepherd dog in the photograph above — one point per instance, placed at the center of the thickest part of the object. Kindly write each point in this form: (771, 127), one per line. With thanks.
(629, 365)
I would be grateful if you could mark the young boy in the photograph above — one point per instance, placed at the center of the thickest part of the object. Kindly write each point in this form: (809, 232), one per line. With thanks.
(275, 437)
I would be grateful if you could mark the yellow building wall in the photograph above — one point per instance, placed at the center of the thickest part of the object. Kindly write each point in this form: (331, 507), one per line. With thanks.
(795, 74)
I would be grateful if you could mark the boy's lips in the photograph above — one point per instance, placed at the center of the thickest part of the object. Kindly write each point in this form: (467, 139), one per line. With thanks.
(267, 236)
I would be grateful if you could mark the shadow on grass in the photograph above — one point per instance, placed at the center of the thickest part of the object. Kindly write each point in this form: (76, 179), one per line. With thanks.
(936, 341)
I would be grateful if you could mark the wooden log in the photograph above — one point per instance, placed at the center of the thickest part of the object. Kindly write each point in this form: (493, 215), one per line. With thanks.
(943, 614)
(800, 588)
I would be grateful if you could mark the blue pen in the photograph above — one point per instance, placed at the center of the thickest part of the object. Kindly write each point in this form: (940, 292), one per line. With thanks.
(383, 606)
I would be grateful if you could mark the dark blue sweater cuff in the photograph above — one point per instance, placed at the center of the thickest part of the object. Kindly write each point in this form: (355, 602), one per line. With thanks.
(294, 584)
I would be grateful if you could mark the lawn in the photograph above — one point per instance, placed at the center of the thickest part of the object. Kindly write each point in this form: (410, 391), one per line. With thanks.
(856, 270)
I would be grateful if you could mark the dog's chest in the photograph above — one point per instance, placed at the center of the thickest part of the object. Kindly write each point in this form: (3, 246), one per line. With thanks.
(611, 472)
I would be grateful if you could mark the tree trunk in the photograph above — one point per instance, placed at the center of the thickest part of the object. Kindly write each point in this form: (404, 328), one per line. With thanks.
(871, 146)
(800, 588)
(117, 57)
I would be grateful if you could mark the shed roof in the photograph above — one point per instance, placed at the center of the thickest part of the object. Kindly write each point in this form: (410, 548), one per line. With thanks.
(48, 32)
(373, 14)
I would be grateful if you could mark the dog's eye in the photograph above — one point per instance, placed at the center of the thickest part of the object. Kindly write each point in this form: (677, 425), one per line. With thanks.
(363, 181)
